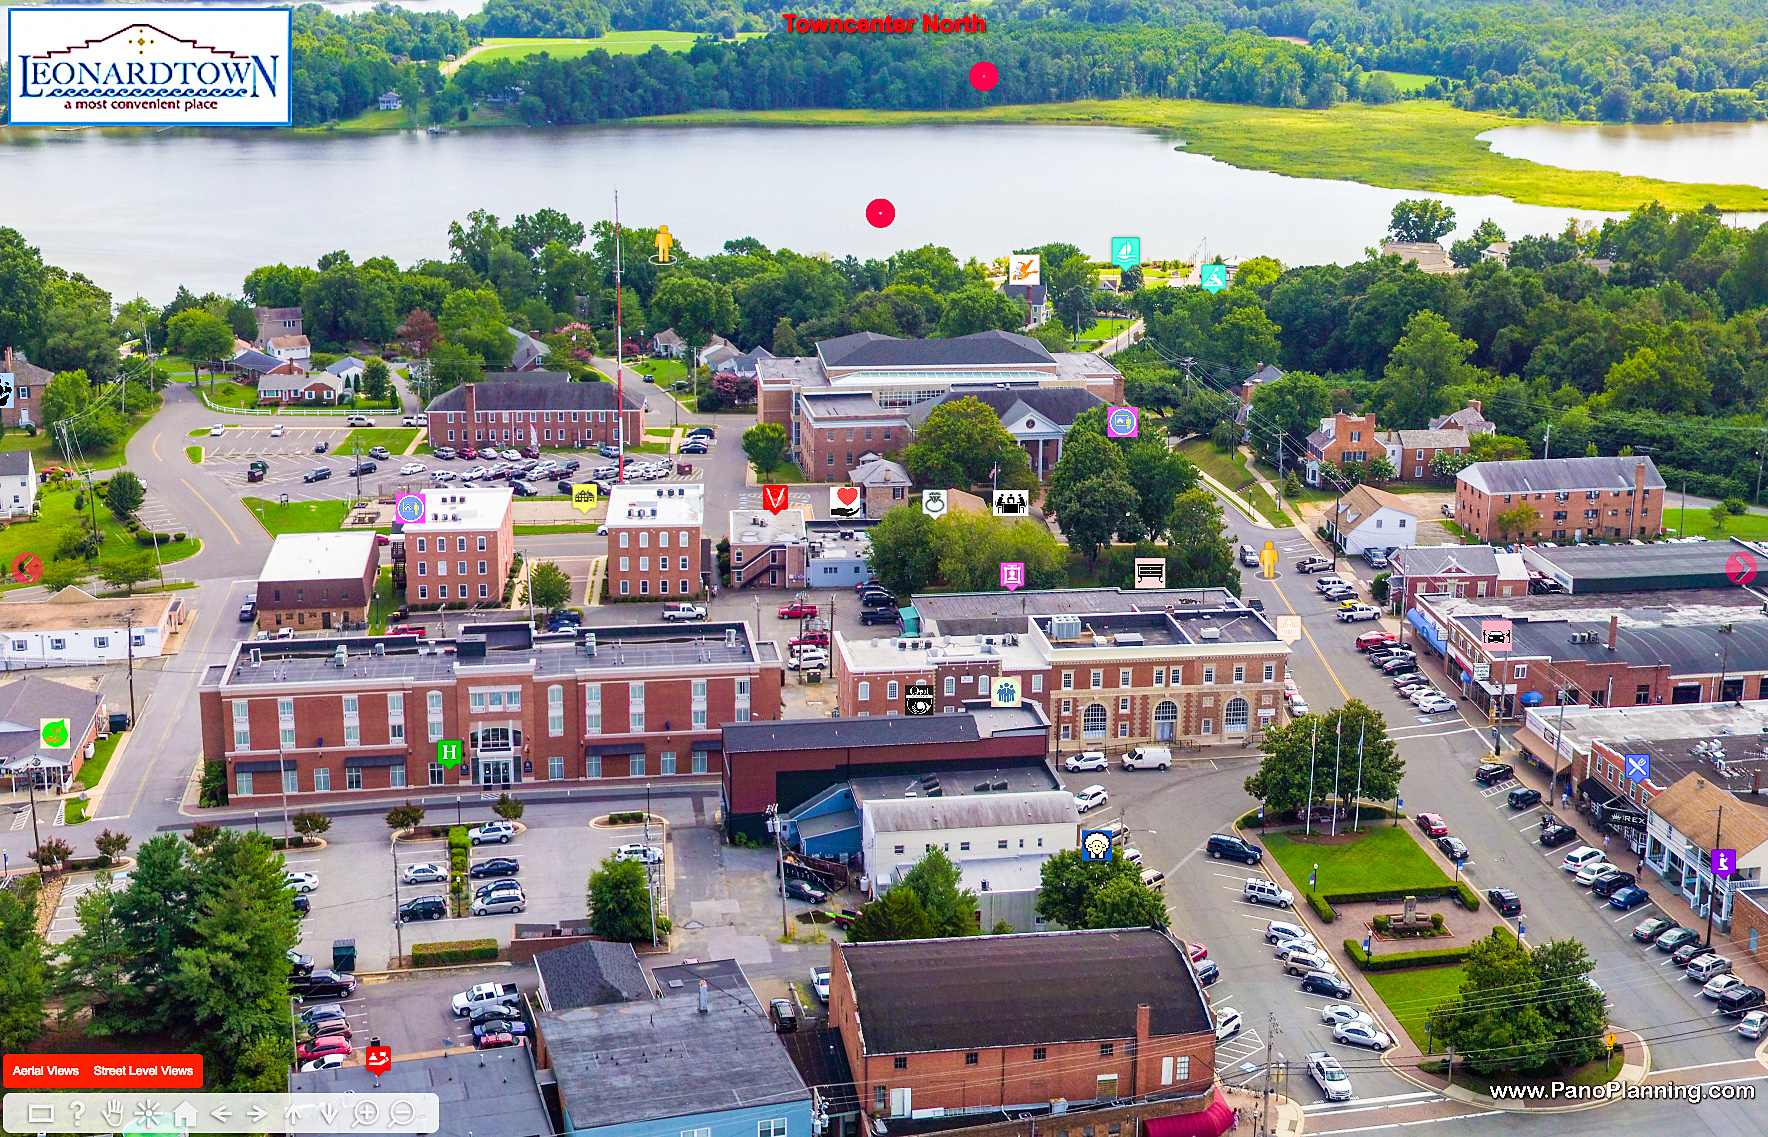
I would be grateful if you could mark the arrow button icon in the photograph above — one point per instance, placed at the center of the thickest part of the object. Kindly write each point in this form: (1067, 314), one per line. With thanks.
(257, 1113)
(220, 1113)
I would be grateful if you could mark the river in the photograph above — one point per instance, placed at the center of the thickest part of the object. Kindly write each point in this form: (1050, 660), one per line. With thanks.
(144, 213)
(1724, 153)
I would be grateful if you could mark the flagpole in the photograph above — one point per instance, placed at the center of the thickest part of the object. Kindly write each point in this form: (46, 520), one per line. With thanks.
(1357, 808)
(1337, 757)
(1307, 825)
(619, 367)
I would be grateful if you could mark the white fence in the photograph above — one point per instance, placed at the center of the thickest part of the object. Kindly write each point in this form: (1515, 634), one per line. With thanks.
(296, 412)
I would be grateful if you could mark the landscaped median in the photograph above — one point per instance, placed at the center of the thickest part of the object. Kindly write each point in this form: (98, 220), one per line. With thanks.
(1379, 863)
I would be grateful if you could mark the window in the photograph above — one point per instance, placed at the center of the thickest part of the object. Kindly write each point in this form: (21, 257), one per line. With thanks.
(1123, 678)
(243, 783)
(484, 592)
(1067, 706)
(1209, 675)
(891, 690)
(971, 1057)
(421, 545)
(287, 734)
(1105, 1049)
(1092, 721)
(555, 710)
(1068, 680)
(353, 777)
(351, 705)
(100, 641)
(865, 692)
(322, 780)
(699, 762)
(696, 1133)
(1123, 705)
(1240, 673)
(1002, 843)
(1642, 695)
(1208, 726)
(1235, 714)
(352, 734)
(901, 1063)
(666, 762)
(1037, 683)
(636, 766)
(963, 846)
(1037, 1054)
(481, 544)
(1160, 676)
(1519, 671)
(951, 684)
(396, 774)
(899, 850)
(1270, 672)
(624, 538)
(1098, 678)
(880, 1098)
(774, 1128)
(56, 643)
(242, 728)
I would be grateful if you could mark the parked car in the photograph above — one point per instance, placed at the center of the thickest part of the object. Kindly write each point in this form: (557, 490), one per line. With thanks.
(323, 1011)
(1301, 961)
(1222, 845)
(1648, 930)
(248, 611)
(300, 881)
(1399, 666)
(783, 1015)
(1453, 848)
(425, 873)
(1085, 760)
(680, 611)
(1208, 972)
(1227, 1023)
(1362, 1034)
(317, 474)
(1505, 901)
(303, 905)
(1432, 824)
(1491, 773)
(1376, 558)
(1249, 556)
(1325, 983)
(1339, 592)
(1675, 938)
(499, 831)
(499, 902)
(499, 887)
(1719, 984)
(1335, 1014)
(798, 890)
(1580, 858)
(1754, 1024)
(298, 964)
(1258, 890)
(1312, 564)
(1278, 930)
(423, 908)
(1556, 834)
(1091, 798)
(1523, 796)
(1688, 953)
(379, 452)
(638, 851)
(320, 1047)
(363, 467)
(1369, 641)
(880, 616)
(1434, 704)
(322, 985)
(217, 431)
(321, 446)
(327, 1028)
(1358, 612)
(797, 610)
(495, 867)
(819, 982)
(1610, 883)
(807, 658)
(1738, 1000)
(1588, 875)
(446, 453)
(276, 431)
(523, 489)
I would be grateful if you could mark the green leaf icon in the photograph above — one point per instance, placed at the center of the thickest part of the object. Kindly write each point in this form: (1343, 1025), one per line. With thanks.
(55, 734)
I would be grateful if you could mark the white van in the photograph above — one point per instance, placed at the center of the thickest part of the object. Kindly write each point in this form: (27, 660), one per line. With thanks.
(1261, 891)
(1148, 758)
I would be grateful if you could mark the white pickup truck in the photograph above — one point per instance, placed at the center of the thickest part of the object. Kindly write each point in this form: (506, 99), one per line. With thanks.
(1329, 1076)
(484, 995)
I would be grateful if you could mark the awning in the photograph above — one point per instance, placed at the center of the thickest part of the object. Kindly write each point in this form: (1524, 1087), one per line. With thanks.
(708, 744)
(1418, 620)
(614, 748)
(1212, 1120)
(260, 767)
(374, 760)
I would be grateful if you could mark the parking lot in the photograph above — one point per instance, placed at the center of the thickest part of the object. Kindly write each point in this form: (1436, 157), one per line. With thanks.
(410, 1013)
(357, 900)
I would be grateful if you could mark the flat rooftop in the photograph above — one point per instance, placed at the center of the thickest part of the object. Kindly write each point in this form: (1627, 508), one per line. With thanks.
(1687, 649)
(889, 653)
(759, 527)
(647, 505)
(447, 510)
(71, 612)
(1019, 873)
(938, 608)
(977, 721)
(489, 1093)
(407, 659)
(654, 1059)
(1182, 627)
(1660, 564)
(296, 557)
(968, 780)
(1669, 734)
(1653, 606)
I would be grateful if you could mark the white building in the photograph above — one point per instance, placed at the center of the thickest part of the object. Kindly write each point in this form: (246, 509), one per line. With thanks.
(74, 628)
(1686, 822)
(18, 482)
(1368, 518)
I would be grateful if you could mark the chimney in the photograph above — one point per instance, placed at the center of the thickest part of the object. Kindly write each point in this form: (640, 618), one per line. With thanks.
(1614, 626)
(1473, 404)
(705, 998)
(1638, 498)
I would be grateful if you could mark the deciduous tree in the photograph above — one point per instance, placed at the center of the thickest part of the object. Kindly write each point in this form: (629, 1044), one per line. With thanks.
(896, 915)
(1125, 902)
(765, 443)
(619, 902)
(1495, 1023)
(1422, 219)
(1069, 885)
(124, 493)
(1332, 738)
(405, 816)
(548, 586)
(126, 570)
(935, 881)
(961, 445)
(902, 555)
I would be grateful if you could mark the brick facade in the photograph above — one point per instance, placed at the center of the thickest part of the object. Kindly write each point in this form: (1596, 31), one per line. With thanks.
(461, 562)
(1570, 512)
(28, 381)
(655, 542)
(470, 424)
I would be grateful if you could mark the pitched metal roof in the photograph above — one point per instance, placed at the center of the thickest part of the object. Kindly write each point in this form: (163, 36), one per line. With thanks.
(909, 993)
(535, 391)
(965, 811)
(992, 348)
(823, 406)
(1549, 475)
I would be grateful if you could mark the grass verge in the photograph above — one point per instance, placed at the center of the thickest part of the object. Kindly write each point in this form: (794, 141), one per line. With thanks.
(1413, 145)
(1228, 469)
(298, 516)
(396, 439)
(1699, 523)
(1410, 996)
(788, 474)
(1383, 857)
(92, 770)
(194, 453)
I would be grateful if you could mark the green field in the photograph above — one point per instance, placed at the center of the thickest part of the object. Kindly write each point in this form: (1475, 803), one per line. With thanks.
(1698, 522)
(396, 439)
(56, 516)
(1411, 996)
(1101, 331)
(298, 516)
(789, 474)
(1419, 144)
(614, 43)
(1407, 81)
(1384, 857)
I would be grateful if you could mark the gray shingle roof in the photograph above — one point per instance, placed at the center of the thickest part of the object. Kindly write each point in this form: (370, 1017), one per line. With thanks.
(1433, 560)
(26, 702)
(1061, 405)
(1543, 475)
(590, 974)
(909, 992)
(15, 463)
(1447, 439)
(993, 348)
(28, 373)
(537, 391)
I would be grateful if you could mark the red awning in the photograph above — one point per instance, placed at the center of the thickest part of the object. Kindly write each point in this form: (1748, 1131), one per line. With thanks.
(1212, 1120)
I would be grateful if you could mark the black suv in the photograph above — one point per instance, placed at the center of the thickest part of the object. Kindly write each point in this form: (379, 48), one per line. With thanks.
(299, 964)
(423, 908)
(1522, 797)
(364, 467)
(1505, 901)
(1610, 883)
(1491, 773)
(1739, 1000)
(1226, 845)
(317, 474)
(1325, 983)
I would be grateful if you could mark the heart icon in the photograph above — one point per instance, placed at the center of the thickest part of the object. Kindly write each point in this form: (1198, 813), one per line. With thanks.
(847, 495)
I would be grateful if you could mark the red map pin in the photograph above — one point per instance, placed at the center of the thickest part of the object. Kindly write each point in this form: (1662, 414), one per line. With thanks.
(880, 212)
(984, 76)
(1740, 567)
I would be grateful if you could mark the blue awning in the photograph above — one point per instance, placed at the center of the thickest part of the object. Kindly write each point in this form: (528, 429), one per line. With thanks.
(1531, 698)
(1418, 620)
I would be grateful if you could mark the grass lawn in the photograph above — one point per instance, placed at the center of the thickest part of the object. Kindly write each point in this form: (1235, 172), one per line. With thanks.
(1384, 857)
(1411, 995)
(93, 768)
(42, 535)
(789, 474)
(1228, 469)
(1699, 523)
(396, 439)
(384, 604)
(46, 452)
(194, 453)
(1102, 331)
(1262, 502)
(614, 43)
(226, 394)
(587, 528)
(1419, 144)
(1407, 81)
(664, 371)
(298, 516)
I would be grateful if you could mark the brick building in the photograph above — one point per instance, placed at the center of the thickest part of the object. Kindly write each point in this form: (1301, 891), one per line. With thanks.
(616, 703)
(27, 381)
(534, 408)
(1453, 570)
(655, 543)
(835, 432)
(463, 550)
(1109, 667)
(1092, 1018)
(1340, 439)
(1355, 438)
(1568, 499)
(317, 580)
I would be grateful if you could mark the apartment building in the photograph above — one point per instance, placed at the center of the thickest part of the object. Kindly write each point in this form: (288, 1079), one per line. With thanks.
(1109, 668)
(535, 408)
(317, 580)
(1560, 499)
(461, 553)
(655, 542)
(359, 714)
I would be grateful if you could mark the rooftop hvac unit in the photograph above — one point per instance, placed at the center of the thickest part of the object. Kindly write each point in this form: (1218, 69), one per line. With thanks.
(1210, 634)
(380, 649)
(730, 637)
(919, 645)
(1065, 627)
(341, 657)
(1130, 638)
(589, 644)
(258, 659)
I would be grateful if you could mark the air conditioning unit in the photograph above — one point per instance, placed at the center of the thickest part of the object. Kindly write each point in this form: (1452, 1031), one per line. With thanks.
(1210, 634)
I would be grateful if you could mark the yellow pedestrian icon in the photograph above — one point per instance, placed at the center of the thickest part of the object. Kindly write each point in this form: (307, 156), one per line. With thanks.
(665, 242)
(1267, 561)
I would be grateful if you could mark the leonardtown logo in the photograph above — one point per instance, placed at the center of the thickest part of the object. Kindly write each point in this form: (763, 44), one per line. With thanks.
(111, 66)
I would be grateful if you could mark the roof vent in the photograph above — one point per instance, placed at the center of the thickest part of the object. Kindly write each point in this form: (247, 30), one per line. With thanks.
(1210, 634)
(257, 657)
(903, 645)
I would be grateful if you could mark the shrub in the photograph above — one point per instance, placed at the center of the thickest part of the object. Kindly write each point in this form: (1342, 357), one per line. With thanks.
(310, 824)
(1322, 907)
(1381, 922)
(457, 837)
(509, 808)
(213, 790)
(179, 536)
(406, 816)
(438, 830)
(625, 818)
(203, 834)
(457, 951)
(1438, 957)
(1436, 921)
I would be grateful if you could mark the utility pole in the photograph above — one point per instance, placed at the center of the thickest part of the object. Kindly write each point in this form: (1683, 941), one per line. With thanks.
(1547, 443)
(1264, 1112)
(1712, 891)
(398, 924)
(773, 821)
(36, 839)
(129, 645)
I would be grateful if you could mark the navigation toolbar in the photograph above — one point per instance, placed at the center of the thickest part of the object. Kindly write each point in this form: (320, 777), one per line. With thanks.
(180, 1113)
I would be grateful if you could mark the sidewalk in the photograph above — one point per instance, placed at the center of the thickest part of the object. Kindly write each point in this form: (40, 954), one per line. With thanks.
(1287, 1118)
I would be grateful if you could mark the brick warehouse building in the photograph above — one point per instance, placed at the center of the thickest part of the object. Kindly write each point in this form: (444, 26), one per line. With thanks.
(791, 761)
(628, 702)
(533, 408)
(1092, 1018)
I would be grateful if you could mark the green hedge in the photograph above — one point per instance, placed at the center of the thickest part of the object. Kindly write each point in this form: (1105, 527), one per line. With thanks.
(625, 818)
(459, 951)
(457, 837)
(1440, 957)
(1322, 907)
(1469, 898)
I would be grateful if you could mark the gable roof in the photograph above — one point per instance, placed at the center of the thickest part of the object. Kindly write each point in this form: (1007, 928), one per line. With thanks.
(348, 363)
(880, 472)
(906, 991)
(966, 811)
(667, 338)
(254, 360)
(1448, 439)
(536, 391)
(15, 463)
(24, 371)
(1364, 502)
(290, 341)
(26, 702)
(1469, 418)
(991, 348)
(1545, 475)
(1032, 294)
(1692, 805)
(589, 974)
(1060, 405)
(1438, 560)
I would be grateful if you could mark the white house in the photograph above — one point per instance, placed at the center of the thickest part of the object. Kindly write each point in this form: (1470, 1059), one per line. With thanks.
(1368, 518)
(390, 101)
(998, 840)
(290, 349)
(18, 482)
(1684, 825)
(74, 628)
(347, 372)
